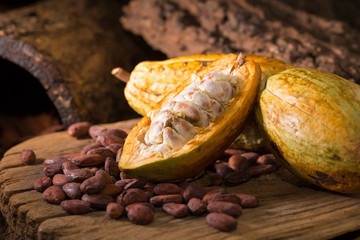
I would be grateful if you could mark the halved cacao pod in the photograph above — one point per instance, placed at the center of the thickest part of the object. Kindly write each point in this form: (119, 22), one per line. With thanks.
(312, 122)
(141, 159)
(151, 81)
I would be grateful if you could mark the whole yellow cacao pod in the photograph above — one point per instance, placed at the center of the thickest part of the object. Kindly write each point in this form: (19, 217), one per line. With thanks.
(151, 81)
(188, 131)
(312, 120)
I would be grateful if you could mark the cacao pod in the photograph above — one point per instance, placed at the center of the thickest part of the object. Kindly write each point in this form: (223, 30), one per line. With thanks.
(151, 81)
(312, 122)
(194, 125)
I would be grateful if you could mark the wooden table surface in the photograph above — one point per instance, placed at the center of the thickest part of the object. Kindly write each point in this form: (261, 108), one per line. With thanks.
(289, 208)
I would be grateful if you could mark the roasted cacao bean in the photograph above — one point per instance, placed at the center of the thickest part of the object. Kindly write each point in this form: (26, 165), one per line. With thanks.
(42, 183)
(197, 206)
(177, 210)
(53, 194)
(221, 221)
(27, 157)
(75, 206)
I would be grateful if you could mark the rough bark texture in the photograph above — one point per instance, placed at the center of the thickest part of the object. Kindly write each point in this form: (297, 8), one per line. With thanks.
(71, 47)
(269, 28)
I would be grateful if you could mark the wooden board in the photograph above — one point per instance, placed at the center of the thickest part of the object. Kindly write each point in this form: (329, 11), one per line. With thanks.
(289, 208)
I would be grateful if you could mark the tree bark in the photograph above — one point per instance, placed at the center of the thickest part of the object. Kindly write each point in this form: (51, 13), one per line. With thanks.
(71, 47)
(269, 28)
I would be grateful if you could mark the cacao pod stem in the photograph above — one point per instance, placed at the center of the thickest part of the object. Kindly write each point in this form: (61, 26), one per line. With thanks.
(121, 74)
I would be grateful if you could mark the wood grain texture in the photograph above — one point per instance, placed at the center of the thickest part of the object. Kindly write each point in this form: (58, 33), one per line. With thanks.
(289, 208)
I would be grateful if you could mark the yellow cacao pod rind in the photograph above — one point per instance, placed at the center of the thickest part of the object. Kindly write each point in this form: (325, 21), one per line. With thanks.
(312, 122)
(209, 142)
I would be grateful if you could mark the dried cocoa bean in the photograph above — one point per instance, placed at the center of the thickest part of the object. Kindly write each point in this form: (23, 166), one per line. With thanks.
(53, 194)
(247, 201)
(235, 178)
(268, 159)
(162, 199)
(111, 190)
(72, 190)
(79, 175)
(197, 206)
(216, 179)
(251, 157)
(102, 151)
(75, 206)
(134, 195)
(147, 204)
(193, 190)
(137, 183)
(93, 185)
(68, 165)
(58, 159)
(214, 188)
(90, 146)
(114, 132)
(114, 147)
(177, 210)
(213, 194)
(93, 170)
(95, 131)
(79, 129)
(42, 183)
(230, 152)
(60, 179)
(107, 140)
(228, 208)
(166, 188)
(149, 190)
(221, 221)
(258, 170)
(118, 154)
(27, 157)
(123, 182)
(88, 160)
(51, 170)
(140, 214)
(97, 201)
(222, 168)
(124, 129)
(103, 174)
(238, 163)
(115, 210)
(227, 197)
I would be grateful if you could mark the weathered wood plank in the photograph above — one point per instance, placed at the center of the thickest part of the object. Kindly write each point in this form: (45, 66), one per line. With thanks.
(289, 208)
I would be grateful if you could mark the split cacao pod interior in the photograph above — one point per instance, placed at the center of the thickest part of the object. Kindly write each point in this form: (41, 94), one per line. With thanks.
(209, 140)
(312, 122)
(151, 81)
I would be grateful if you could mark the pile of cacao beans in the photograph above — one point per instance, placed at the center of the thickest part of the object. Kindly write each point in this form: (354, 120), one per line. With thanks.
(91, 180)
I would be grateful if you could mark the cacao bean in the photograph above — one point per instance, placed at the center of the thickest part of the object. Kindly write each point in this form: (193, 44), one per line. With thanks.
(222, 168)
(267, 159)
(247, 201)
(231, 152)
(140, 214)
(95, 131)
(106, 176)
(54, 160)
(111, 190)
(137, 183)
(213, 194)
(123, 182)
(216, 179)
(133, 195)
(214, 188)
(51, 170)
(68, 165)
(115, 210)
(79, 129)
(227, 197)
(238, 163)
(162, 199)
(114, 147)
(60, 179)
(88, 160)
(118, 154)
(75, 206)
(221, 221)
(90, 146)
(102, 151)
(197, 206)
(228, 208)
(27, 157)
(72, 190)
(258, 170)
(42, 183)
(114, 132)
(79, 175)
(107, 140)
(177, 210)
(53, 194)
(193, 190)
(97, 201)
(251, 157)
(93, 185)
(235, 178)
(147, 204)
(166, 188)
